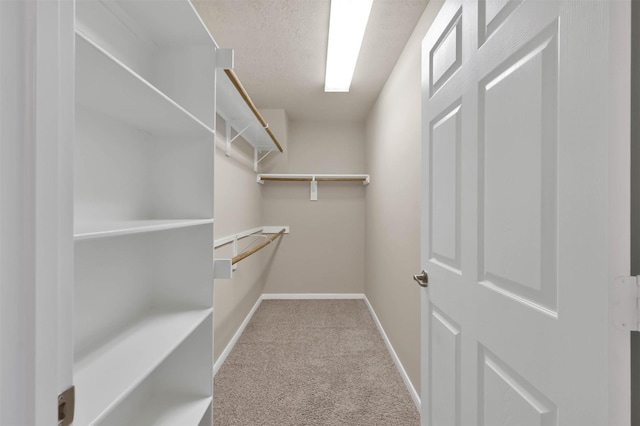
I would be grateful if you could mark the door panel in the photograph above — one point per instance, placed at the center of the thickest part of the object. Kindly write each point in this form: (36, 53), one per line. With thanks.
(491, 14)
(519, 171)
(445, 191)
(506, 398)
(446, 54)
(517, 193)
(444, 369)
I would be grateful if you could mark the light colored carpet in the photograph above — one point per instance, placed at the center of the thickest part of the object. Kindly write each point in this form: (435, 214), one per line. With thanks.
(311, 362)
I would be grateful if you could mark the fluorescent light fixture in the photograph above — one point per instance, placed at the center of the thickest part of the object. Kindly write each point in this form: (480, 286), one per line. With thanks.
(347, 23)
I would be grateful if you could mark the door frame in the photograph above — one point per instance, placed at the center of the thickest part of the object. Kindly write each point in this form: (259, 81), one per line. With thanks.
(36, 207)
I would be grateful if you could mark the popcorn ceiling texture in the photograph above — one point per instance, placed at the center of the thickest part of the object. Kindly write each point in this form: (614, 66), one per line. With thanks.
(281, 48)
(311, 362)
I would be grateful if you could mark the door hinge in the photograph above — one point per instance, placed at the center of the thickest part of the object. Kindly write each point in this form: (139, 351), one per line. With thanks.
(626, 308)
(66, 406)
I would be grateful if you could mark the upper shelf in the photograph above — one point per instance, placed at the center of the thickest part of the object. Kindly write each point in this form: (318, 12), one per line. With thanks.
(106, 85)
(237, 109)
(173, 22)
(313, 179)
(163, 42)
(297, 177)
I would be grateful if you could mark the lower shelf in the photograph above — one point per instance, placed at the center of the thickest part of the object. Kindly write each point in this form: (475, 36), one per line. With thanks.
(171, 410)
(104, 377)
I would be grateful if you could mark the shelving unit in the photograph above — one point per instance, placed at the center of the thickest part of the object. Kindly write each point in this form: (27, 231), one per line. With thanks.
(143, 214)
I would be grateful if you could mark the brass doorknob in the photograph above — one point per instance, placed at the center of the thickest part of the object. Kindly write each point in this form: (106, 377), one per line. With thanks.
(422, 279)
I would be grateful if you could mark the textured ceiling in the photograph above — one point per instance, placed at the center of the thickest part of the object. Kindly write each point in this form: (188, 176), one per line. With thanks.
(281, 48)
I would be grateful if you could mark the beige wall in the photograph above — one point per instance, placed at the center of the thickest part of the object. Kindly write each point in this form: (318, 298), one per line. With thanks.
(392, 236)
(238, 207)
(324, 253)
(279, 124)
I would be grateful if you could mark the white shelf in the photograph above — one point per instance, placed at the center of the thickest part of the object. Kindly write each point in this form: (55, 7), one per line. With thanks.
(106, 376)
(235, 111)
(161, 22)
(143, 153)
(172, 410)
(313, 179)
(106, 85)
(309, 177)
(84, 231)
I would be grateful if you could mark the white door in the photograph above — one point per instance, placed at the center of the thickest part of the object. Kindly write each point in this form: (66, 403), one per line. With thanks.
(525, 213)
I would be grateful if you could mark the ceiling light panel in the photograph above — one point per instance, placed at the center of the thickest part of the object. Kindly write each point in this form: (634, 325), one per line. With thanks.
(347, 23)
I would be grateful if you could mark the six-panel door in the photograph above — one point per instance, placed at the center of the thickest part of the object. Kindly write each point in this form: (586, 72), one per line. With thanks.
(517, 214)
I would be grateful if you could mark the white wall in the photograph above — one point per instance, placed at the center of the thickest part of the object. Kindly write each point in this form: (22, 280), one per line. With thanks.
(237, 208)
(392, 236)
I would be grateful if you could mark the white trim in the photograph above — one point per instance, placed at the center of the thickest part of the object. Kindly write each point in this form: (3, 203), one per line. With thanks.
(394, 356)
(223, 356)
(287, 296)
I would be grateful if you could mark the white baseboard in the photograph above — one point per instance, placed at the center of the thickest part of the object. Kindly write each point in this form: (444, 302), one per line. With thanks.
(287, 296)
(394, 356)
(223, 356)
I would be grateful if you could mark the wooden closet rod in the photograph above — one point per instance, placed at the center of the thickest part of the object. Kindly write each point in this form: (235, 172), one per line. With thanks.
(318, 179)
(236, 82)
(263, 244)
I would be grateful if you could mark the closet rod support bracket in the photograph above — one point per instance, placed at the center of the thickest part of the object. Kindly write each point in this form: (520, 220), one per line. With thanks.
(257, 160)
(225, 59)
(229, 139)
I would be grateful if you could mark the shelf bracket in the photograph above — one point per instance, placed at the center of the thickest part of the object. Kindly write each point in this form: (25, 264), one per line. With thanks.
(229, 139)
(257, 161)
(235, 252)
(314, 189)
(224, 59)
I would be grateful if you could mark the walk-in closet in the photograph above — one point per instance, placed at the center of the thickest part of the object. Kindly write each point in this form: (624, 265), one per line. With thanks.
(319, 212)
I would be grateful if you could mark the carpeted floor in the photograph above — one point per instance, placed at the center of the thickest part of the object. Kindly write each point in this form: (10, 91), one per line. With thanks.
(311, 362)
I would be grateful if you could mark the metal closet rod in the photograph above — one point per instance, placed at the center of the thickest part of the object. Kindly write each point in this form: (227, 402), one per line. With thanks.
(236, 82)
(263, 244)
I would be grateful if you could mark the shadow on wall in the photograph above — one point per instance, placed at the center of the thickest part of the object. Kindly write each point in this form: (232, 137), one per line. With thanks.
(273, 252)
